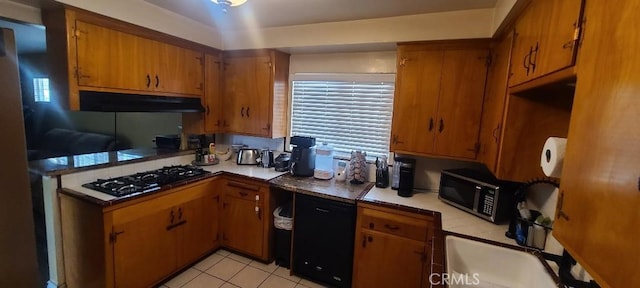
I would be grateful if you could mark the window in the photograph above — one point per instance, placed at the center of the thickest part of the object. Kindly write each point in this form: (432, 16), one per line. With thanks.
(348, 111)
(41, 90)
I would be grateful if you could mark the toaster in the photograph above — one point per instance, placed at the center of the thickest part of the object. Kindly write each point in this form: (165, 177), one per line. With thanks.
(248, 156)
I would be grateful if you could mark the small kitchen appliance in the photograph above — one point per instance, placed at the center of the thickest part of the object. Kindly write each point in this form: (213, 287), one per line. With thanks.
(382, 172)
(266, 158)
(145, 181)
(478, 193)
(282, 162)
(303, 156)
(403, 172)
(324, 162)
(247, 156)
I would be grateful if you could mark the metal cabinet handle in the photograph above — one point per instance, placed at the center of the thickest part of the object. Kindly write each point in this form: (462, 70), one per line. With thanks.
(157, 81)
(527, 60)
(430, 124)
(535, 57)
(242, 112)
(148, 80)
(248, 111)
(441, 126)
(391, 227)
(180, 213)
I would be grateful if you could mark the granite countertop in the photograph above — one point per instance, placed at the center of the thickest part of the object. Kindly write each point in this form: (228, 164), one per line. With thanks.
(330, 189)
(72, 164)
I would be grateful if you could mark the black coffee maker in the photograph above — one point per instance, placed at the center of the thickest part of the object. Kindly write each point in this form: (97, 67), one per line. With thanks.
(303, 156)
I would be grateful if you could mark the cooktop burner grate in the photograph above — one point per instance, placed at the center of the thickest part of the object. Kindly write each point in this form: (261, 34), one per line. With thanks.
(145, 181)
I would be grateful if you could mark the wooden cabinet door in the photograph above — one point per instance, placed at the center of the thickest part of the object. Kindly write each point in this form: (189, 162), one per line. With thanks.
(108, 58)
(527, 34)
(558, 37)
(460, 104)
(144, 250)
(242, 227)
(494, 102)
(212, 94)
(260, 97)
(237, 87)
(383, 260)
(178, 70)
(597, 211)
(416, 100)
(199, 234)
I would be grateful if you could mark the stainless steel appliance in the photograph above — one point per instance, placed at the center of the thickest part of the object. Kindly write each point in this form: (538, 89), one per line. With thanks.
(403, 171)
(146, 181)
(303, 156)
(248, 156)
(266, 158)
(478, 193)
(323, 237)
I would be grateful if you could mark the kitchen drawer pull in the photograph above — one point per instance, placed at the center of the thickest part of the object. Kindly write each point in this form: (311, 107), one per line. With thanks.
(243, 186)
(180, 223)
(248, 112)
(391, 227)
(157, 81)
(242, 112)
(148, 80)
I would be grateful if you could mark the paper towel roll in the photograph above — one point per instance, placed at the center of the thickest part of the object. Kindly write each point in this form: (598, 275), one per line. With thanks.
(553, 156)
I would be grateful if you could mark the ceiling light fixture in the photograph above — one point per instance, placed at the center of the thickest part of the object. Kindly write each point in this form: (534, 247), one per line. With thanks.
(229, 3)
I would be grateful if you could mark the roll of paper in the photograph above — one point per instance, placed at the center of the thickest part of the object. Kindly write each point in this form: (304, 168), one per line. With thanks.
(553, 156)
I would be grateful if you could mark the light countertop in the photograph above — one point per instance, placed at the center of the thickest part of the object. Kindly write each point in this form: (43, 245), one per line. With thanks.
(453, 219)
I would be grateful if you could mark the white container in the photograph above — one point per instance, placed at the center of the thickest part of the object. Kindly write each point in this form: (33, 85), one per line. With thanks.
(324, 162)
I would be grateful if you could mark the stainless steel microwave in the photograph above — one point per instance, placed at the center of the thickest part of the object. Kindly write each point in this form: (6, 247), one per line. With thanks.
(478, 193)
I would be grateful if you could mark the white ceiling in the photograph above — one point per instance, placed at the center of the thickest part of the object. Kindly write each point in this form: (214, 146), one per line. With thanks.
(277, 13)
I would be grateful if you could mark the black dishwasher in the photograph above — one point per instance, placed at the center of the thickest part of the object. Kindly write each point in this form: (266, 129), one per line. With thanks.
(323, 238)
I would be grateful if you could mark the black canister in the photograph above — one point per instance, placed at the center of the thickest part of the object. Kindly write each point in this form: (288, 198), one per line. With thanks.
(406, 175)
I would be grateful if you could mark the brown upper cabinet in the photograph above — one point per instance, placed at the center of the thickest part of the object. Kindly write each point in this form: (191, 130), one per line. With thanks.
(434, 115)
(546, 39)
(255, 93)
(600, 189)
(100, 54)
(494, 102)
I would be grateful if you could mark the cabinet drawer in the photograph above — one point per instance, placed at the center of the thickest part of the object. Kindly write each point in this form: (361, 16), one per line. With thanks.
(395, 224)
(244, 191)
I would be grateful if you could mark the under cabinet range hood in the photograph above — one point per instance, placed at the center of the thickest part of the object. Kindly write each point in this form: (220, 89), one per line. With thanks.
(115, 102)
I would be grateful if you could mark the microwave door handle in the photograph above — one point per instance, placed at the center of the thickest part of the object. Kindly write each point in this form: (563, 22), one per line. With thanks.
(476, 199)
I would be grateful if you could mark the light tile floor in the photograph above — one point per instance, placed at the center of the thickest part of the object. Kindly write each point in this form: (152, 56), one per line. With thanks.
(228, 270)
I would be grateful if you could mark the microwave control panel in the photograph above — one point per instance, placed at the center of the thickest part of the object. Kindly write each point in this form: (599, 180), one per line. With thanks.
(486, 201)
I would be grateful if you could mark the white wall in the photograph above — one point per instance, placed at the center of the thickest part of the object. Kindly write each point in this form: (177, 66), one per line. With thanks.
(501, 11)
(434, 26)
(153, 17)
(20, 12)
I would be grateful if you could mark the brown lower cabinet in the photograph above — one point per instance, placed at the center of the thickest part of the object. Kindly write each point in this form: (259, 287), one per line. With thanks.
(140, 242)
(246, 217)
(392, 248)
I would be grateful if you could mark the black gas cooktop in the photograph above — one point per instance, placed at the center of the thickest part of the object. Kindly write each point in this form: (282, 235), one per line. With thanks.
(145, 181)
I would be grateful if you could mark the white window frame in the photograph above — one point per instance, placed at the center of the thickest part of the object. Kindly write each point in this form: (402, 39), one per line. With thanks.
(356, 77)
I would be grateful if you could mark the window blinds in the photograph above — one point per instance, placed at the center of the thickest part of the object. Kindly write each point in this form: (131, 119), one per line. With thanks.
(352, 113)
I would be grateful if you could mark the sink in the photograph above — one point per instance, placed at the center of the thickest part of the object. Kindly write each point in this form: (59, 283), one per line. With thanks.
(477, 264)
